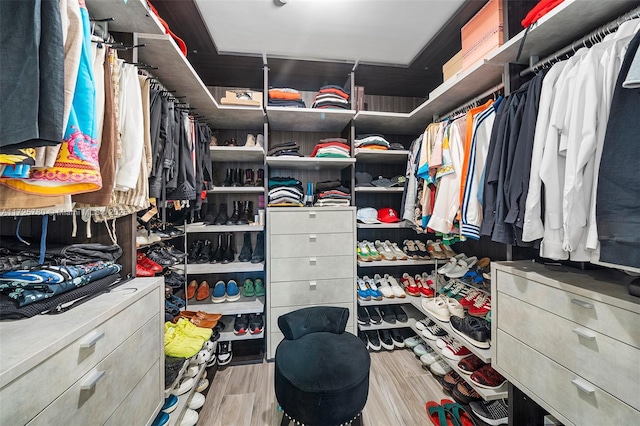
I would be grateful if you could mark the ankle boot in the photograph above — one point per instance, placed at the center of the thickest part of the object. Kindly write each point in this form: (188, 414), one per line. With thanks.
(228, 180)
(236, 213)
(258, 252)
(237, 177)
(210, 216)
(194, 251)
(248, 181)
(245, 252)
(219, 252)
(260, 178)
(222, 217)
(229, 253)
(199, 215)
(244, 214)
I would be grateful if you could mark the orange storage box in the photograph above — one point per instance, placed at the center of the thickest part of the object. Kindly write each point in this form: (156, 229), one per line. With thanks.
(452, 67)
(482, 33)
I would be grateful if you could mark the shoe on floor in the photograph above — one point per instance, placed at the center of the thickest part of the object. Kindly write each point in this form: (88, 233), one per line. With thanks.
(170, 404)
(374, 340)
(224, 353)
(491, 412)
(196, 401)
(385, 340)
(190, 418)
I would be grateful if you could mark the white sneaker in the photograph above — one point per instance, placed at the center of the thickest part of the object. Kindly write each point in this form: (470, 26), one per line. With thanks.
(429, 358)
(438, 307)
(185, 386)
(439, 367)
(196, 401)
(420, 350)
(192, 371)
(190, 418)
(397, 290)
(430, 331)
(458, 270)
(422, 324)
(399, 254)
(384, 250)
(412, 342)
(455, 308)
(448, 266)
(383, 286)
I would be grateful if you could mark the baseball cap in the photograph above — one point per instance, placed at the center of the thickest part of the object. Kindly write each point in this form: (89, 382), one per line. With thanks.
(388, 215)
(367, 215)
(398, 180)
(363, 179)
(382, 182)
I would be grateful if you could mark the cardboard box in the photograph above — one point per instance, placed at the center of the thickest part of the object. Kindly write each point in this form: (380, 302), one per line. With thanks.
(453, 66)
(482, 34)
(242, 97)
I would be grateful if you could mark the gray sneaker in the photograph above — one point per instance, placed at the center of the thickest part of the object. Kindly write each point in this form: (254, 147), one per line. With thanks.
(492, 412)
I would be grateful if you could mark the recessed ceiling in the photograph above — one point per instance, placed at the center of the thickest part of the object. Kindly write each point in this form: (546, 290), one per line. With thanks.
(389, 32)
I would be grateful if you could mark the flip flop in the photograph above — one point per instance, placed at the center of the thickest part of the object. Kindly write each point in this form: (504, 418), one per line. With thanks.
(439, 416)
(458, 412)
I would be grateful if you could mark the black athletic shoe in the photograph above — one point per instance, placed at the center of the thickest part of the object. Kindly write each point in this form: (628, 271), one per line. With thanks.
(363, 336)
(386, 340)
(400, 314)
(363, 316)
(256, 323)
(396, 336)
(374, 316)
(241, 324)
(374, 340)
(387, 314)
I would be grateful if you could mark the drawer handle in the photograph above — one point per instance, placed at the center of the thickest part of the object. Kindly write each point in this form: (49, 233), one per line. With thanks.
(312, 285)
(584, 387)
(312, 260)
(312, 215)
(584, 333)
(313, 238)
(92, 339)
(91, 382)
(585, 305)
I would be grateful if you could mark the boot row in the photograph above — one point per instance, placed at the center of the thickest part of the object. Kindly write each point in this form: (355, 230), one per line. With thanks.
(244, 177)
(247, 253)
(203, 251)
(242, 214)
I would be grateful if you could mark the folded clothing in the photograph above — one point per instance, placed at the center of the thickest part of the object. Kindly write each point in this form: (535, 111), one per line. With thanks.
(327, 184)
(284, 93)
(284, 181)
(334, 194)
(367, 140)
(298, 103)
(336, 90)
(332, 202)
(338, 148)
(285, 148)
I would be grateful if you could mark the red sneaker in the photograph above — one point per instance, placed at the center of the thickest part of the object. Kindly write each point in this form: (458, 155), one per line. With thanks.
(410, 285)
(424, 288)
(487, 377)
(470, 364)
(481, 306)
(148, 263)
(141, 271)
(470, 298)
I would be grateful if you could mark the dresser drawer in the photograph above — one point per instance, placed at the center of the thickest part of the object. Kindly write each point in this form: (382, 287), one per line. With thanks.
(311, 221)
(119, 371)
(580, 401)
(592, 355)
(311, 268)
(297, 245)
(607, 319)
(138, 407)
(314, 292)
(69, 364)
(276, 312)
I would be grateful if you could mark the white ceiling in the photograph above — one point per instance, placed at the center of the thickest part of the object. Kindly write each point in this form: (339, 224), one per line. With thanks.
(369, 31)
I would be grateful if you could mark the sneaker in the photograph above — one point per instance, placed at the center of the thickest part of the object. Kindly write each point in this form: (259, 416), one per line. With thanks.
(363, 337)
(433, 331)
(400, 314)
(491, 412)
(450, 380)
(481, 306)
(412, 342)
(396, 336)
(374, 340)
(219, 294)
(476, 331)
(196, 401)
(387, 313)
(384, 250)
(363, 290)
(375, 255)
(202, 385)
(362, 251)
(395, 287)
(420, 350)
(376, 294)
(410, 286)
(374, 316)
(422, 324)
(185, 386)
(385, 340)
(256, 323)
(437, 307)
(465, 394)
(383, 286)
(233, 292)
(224, 353)
(363, 316)
(170, 404)
(470, 298)
(487, 377)
(435, 251)
(429, 358)
(439, 367)
(189, 418)
(423, 286)
(470, 364)
(241, 324)
(455, 308)
(455, 350)
(397, 253)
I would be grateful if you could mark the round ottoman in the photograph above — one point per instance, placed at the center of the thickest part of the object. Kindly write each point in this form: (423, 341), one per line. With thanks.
(322, 378)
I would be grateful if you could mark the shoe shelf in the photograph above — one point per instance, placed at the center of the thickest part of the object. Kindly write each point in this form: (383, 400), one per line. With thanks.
(486, 394)
(408, 262)
(309, 163)
(133, 16)
(221, 268)
(176, 416)
(387, 301)
(394, 123)
(168, 390)
(364, 155)
(201, 228)
(393, 189)
(308, 119)
(483, 354)
(386, 325)
(156, 242)
(224, 154)
(227, 335)
(397, 225)
(246, 305)
(236, 190)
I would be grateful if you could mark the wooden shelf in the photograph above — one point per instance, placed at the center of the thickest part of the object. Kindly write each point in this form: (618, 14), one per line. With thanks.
(309, 163)
(227, 335)
(403, 263)
(201, 228)
(132, 16)
(222, 268)
(246, 305)
(364, 155)
(381, 190)
(236, 190)
(394, 123)
(308, 119)
(226, 154)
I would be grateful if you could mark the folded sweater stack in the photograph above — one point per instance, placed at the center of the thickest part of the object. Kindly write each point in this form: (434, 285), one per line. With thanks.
(371, 142)
(285, 192)
(332, 148)
(331, 97)
(332, 193)
(285, 149)
(285, 97)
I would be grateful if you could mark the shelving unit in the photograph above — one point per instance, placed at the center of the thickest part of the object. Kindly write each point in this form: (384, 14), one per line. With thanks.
(221, 268)
(246, 305)
(201, 228)
(176, 416)
(227, 335)
(399, 263)
(308, 119)
(236, 153)
(394, 123)
(236, 190)
(130, 16)
(168, 390)
(309, 163)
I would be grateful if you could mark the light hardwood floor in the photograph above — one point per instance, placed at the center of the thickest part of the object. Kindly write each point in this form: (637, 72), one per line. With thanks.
(398, 391)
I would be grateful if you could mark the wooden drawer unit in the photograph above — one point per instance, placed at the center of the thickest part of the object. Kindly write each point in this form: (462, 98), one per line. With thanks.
(94, 398)
(310, 221)
(312, 268)
(312, 292)
(592, 355)
(575, 398)
(276, 312)
(298, 245)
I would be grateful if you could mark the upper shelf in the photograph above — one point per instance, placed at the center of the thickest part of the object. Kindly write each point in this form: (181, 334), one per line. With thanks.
(226, 154)
(309, 163)
(388, 123)
(131, 16)
(364, 155)
(309, 119)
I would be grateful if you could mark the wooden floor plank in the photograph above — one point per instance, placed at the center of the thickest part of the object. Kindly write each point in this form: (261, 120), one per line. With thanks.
(234, 410)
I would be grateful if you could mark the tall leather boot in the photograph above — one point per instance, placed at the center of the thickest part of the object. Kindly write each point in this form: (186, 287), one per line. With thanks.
(258, 252)
(229, 253)
(222, 217)
(218, 254)
(245, 252)
(248, 181)
(260, 178)
(245, 214)
(238, 177)
(235, 215)
(228, 180)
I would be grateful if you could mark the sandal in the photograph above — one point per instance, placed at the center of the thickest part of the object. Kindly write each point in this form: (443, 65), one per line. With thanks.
(439, 416)
(458, 412)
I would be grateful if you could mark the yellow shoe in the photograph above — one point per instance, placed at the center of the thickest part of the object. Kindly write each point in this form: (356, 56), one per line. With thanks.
(177, 344)
(191, 330)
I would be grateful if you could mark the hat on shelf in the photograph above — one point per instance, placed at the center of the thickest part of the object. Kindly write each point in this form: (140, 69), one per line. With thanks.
(397, 146)
(382, 182)
(398, 180)
(363, 179)
(388, 215)
(367, 215)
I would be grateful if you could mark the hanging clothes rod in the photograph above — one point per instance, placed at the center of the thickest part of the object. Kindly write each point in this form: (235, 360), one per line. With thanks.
(470, 103)
(587, 41)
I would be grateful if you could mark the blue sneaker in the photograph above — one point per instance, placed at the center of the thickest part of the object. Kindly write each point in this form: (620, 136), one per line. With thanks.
(177, 301)
(364, 293)
(233, 292)
(219, 293)
(170, 404)
(161, 419)
(373, 290)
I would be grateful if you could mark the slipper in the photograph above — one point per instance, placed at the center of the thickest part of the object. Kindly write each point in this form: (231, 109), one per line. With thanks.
(439, 416)
(459, 413)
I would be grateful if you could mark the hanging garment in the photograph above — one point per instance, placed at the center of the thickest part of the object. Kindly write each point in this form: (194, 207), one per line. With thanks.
(411, 189)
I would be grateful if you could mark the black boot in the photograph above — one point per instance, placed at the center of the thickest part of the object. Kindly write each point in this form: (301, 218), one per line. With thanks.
(245, 253)
(228, 180)
(222, 217)
(210, 216)
(229, 253)
(199, 215)
(219, 252)
(248, 181)
(238, 177)
(258, 252)
(245, 215)
(235, 215)
(194, 251)
(259, 178)
(205, 254)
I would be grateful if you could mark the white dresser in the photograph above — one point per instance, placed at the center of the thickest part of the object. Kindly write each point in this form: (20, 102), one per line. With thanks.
(569, 339)
(101, 362)
(311, 261)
